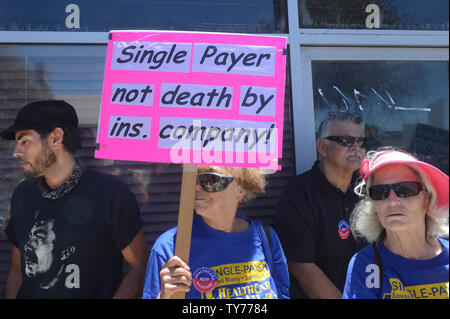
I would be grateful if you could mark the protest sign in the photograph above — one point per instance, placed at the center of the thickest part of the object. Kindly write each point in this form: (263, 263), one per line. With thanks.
(193, 99)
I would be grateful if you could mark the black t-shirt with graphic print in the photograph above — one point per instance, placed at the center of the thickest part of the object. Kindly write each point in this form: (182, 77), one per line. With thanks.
(71, 247)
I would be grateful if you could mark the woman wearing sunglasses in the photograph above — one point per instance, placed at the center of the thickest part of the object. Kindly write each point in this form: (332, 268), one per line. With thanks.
(403, 212)
(230, 257)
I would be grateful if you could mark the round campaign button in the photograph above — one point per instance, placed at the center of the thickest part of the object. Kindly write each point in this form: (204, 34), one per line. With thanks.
(204, 279)
(343, 229)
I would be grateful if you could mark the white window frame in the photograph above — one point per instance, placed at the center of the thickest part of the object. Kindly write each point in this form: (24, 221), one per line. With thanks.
(307, 45)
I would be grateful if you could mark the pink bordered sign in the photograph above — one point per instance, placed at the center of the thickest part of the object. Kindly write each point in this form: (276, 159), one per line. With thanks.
(193, 98)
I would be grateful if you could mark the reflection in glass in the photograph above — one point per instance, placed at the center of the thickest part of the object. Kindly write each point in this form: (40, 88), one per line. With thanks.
(250, 16)
(394, 14)
(404, 104)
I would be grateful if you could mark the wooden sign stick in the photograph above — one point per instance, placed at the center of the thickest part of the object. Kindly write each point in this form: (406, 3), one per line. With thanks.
(185, 216)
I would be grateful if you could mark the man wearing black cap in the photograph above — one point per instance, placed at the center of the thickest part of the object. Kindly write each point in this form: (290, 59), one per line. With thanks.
(70, 226)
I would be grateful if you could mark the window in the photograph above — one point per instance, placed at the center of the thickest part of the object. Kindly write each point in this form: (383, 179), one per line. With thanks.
(405, 103)
(250, 16)
(394, 14)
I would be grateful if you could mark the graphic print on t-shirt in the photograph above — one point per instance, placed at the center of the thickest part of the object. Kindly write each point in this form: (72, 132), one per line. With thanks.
(247, 280)
(41, 260)
(430, 291)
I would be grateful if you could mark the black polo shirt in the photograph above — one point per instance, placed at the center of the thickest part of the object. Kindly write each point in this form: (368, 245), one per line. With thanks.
(312, 222)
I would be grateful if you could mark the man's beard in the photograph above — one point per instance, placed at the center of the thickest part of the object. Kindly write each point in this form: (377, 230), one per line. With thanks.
(44, 159)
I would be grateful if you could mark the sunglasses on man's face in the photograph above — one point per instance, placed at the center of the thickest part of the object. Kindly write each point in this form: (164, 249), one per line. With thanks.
(349, 140)
(214, 182)
(402, 189)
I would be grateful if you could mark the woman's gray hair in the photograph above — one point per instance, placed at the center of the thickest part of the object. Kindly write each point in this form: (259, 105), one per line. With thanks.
(364, 222)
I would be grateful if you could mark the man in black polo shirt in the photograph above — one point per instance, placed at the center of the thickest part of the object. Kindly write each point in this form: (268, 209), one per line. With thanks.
(312, 217)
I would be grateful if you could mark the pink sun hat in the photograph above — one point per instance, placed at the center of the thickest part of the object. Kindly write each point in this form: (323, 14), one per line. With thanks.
(436, 177)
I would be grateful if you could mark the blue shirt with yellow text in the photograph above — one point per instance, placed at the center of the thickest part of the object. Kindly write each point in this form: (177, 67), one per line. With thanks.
(403, 278)
(223, 265)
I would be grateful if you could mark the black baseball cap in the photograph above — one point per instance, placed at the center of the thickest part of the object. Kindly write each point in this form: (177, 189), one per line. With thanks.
(43, 114)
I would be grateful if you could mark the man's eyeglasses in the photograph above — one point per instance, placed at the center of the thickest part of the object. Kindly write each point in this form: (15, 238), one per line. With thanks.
(349, 140)
(402, 189)
(214, 182)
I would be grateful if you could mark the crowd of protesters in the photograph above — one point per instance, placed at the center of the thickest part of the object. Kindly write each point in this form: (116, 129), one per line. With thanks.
(358, 224)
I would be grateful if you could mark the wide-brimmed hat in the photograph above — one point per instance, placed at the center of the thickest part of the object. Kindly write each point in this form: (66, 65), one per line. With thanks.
(436, 177)
(43, 114)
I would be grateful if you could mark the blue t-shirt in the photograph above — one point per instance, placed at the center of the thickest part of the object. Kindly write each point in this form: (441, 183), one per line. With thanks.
(223, 265)
(402, 278)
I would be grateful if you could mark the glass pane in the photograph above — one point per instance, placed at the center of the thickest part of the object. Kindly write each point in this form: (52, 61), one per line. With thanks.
(394, 14)
(404, 103)
(250, 16)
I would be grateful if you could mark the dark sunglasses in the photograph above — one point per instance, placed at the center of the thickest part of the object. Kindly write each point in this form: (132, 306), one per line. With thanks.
(349, 140)
(214, 182)
(402, 189)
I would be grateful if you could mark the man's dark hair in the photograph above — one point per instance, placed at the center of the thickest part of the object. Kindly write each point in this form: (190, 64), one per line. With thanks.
(71, 139)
